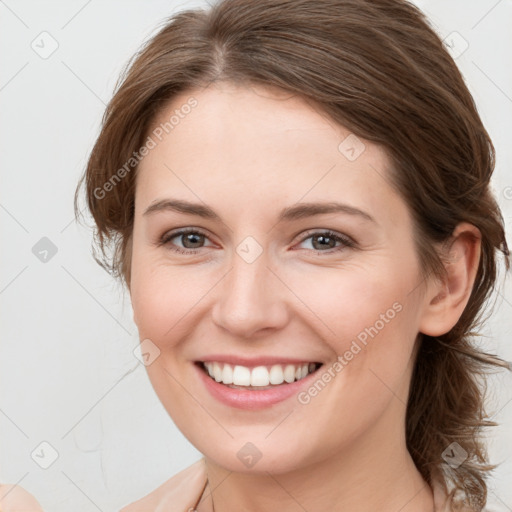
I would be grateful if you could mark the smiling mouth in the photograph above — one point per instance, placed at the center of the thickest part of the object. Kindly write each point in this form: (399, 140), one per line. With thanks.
(258, 377)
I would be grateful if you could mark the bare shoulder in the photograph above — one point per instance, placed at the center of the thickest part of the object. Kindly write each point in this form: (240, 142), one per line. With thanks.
(14, 498)
(180, 492)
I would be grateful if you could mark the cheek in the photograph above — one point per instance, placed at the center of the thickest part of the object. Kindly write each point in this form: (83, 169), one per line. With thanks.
(369, 319)
(354, 304)
(165, 298)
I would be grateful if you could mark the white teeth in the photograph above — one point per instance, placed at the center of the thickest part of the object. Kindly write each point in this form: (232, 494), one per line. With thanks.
(217, 372)
(259, 376)
(241, 376)
(276, 374)
(227, 374)
(289, 373)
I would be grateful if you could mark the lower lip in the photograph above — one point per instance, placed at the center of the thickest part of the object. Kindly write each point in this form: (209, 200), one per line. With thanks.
(252, 399)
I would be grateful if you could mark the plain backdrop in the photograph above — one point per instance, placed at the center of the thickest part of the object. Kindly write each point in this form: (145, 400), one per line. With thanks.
(74, 396)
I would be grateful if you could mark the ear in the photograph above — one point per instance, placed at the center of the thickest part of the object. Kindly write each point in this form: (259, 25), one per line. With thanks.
(445, 300)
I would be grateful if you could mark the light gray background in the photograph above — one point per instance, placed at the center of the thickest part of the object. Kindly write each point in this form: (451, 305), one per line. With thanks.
(68, 373)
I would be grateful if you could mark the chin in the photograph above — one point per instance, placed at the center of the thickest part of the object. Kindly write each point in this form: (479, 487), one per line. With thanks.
(255, 455)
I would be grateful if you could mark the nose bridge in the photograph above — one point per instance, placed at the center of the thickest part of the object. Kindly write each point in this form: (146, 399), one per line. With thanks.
(249, 299)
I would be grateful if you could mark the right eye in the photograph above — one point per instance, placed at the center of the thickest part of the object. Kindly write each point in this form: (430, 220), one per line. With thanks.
(191, 240)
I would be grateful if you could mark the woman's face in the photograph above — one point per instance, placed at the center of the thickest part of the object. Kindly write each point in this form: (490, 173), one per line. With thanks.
(301, 252)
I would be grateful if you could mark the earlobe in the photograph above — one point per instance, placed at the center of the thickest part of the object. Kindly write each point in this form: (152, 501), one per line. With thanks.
(446, 299)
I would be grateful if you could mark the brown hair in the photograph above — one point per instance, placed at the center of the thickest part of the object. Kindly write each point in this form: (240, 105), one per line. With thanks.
(379, 69)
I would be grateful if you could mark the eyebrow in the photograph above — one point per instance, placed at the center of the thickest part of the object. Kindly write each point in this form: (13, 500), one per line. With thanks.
(291, 213)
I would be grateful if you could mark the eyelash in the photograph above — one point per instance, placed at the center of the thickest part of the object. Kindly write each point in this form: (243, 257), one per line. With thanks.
(345, 241)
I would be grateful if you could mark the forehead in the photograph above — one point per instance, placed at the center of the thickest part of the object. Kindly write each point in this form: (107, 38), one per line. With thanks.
(253, 143)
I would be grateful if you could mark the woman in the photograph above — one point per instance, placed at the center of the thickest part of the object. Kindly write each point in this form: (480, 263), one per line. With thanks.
(297, 196)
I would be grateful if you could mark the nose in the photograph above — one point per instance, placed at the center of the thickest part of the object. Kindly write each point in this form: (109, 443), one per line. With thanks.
(250, 299)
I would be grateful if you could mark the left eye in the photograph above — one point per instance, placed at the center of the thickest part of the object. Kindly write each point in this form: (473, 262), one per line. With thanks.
(325, 241)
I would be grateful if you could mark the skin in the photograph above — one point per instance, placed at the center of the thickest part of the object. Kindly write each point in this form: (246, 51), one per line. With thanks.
(14, 498)
(247, 153)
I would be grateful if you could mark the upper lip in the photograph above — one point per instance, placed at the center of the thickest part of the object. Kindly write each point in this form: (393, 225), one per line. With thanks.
(254, 361)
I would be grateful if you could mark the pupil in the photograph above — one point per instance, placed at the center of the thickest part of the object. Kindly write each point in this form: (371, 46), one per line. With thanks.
(192, 238)
(323, 238)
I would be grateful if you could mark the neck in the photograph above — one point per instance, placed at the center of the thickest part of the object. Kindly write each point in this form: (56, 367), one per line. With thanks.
(375, 473)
